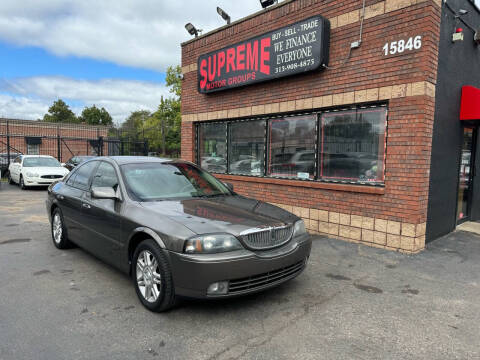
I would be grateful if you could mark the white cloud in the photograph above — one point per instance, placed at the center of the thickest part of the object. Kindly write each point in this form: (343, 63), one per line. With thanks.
(29, 98)
(140, 33)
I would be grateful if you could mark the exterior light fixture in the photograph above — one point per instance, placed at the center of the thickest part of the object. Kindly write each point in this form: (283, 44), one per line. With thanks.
(267, 3)
(224, 15)
(192, 30)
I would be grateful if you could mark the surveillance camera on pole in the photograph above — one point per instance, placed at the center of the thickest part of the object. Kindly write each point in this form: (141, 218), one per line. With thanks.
(192, 30)
(267, 3)
(224, 15)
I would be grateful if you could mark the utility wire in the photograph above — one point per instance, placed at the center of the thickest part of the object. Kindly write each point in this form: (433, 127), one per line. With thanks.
(344, 62)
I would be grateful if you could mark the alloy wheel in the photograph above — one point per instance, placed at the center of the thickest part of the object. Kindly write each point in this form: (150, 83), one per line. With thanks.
(57, 228)
(149, 280)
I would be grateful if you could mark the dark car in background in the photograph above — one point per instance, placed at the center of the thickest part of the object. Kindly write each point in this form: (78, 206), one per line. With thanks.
(176, 229)
(4, 161)
(74, 161)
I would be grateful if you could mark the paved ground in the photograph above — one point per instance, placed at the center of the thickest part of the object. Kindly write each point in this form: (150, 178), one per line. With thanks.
(352, 302)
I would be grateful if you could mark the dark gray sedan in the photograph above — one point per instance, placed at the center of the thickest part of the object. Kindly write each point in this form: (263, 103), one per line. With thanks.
(176, 229)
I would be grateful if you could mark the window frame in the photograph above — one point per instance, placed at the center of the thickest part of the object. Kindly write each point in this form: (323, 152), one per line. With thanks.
(318, 133)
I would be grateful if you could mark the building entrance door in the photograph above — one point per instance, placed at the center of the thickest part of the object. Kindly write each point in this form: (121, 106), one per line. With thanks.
(466, 174)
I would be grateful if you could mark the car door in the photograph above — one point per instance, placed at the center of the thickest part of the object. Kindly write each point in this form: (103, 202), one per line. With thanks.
(102, 217)
(72, 199)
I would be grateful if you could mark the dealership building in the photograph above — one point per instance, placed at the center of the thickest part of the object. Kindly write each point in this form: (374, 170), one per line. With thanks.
(358, 116)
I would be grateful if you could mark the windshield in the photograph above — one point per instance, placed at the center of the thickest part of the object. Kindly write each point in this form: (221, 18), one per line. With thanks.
(162, 181)
(40, 162)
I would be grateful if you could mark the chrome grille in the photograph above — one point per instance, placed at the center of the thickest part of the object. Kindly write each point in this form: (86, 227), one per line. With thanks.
(260, 239)
(261, 280)
(51, 176)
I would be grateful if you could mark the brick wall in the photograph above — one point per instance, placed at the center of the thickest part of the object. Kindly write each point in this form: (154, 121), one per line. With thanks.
(406, 82)
(75, 137)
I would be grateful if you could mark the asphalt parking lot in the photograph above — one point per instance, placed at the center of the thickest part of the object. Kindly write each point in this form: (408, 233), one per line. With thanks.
(352, 302)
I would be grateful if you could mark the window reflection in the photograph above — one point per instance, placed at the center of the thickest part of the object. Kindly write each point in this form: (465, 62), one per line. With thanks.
(213, 147)
(246, 148)
(353, 145)
(292, 147)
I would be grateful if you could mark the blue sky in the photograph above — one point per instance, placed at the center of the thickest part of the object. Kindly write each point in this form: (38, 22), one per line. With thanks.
(112, 53)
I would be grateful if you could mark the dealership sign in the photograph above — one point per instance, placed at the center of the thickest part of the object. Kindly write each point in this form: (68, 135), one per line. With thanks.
(290, 50)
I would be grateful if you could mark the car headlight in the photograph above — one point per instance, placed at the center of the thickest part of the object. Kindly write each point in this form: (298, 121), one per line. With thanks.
(211, 244)
(299, 228)
(30, 174)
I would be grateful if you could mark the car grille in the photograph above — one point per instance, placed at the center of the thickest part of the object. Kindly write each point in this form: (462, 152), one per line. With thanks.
(258, 281)
(51, 176)
(269, 238)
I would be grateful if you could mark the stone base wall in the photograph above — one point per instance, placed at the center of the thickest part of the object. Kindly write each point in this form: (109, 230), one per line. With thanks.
(380, 233)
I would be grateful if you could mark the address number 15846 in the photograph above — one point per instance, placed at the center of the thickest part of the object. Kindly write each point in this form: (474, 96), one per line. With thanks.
(400, 46)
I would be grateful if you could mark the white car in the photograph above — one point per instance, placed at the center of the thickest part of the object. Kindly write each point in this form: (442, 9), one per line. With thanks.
(35, 170)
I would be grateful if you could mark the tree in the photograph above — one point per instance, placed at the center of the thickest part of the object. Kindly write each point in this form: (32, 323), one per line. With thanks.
(60, 112)
(136, 120)
(95, 116)
(163, 127)
(174, 80)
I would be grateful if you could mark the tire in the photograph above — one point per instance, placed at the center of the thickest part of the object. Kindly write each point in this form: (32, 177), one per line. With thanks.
(22, 183)
(60, 240)
(10, 180)
(158, 292)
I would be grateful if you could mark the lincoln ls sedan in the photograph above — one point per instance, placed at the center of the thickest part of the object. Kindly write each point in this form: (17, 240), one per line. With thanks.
(175, 229)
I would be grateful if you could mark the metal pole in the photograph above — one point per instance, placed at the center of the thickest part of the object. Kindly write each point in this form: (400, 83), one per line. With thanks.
(59, 153)
(8, 145)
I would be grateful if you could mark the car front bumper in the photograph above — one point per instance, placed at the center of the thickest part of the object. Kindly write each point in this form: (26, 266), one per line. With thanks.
(245, 271)
(34, 181)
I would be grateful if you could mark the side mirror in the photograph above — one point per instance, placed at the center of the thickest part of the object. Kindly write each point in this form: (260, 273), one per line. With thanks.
(63, 164)
(228, 185)
(104, 193)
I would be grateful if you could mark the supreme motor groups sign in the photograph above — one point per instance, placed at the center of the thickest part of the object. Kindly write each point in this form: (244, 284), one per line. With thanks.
(293, 49)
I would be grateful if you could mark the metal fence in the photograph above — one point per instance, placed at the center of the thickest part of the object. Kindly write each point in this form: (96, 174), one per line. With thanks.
(64, 141)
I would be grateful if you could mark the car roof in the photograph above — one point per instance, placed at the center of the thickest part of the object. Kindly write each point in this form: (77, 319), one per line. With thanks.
(122, 160)
(38, 156)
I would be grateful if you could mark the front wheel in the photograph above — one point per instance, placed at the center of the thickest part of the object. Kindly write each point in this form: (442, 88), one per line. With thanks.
(59, 233)
(152, 277)
(22, 183)
(10, 180)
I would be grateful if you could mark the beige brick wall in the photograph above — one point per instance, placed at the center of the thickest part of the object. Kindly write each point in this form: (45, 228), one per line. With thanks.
(380, 233)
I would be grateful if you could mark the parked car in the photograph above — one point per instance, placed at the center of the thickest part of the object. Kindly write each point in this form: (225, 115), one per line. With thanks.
(76, 160)
(35, 170)
(176, 229)
(214, 164)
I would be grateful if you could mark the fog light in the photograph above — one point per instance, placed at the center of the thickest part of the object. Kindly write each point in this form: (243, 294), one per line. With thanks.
(218, 288)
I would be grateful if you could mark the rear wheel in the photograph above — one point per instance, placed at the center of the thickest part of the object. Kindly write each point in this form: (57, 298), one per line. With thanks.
(10, 180)
(59, 233)
(152, 277)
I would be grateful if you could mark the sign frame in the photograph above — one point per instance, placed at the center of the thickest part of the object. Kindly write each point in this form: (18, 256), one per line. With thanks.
(321, 59)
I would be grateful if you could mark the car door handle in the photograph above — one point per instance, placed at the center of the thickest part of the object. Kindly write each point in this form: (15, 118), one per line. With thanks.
(86, 206)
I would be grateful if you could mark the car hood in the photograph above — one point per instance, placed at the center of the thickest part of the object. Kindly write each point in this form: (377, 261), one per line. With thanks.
(42, 170)
(230, 214)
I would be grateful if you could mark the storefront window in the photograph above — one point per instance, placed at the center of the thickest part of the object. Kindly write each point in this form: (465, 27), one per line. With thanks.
(213, 147)
(340, 146)
(292, 147)
(353, 145)
(247, 148)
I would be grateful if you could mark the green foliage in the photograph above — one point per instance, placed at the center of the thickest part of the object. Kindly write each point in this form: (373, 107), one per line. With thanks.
(162, 128)
(95, 116)
(60, 112)
(174, 80)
